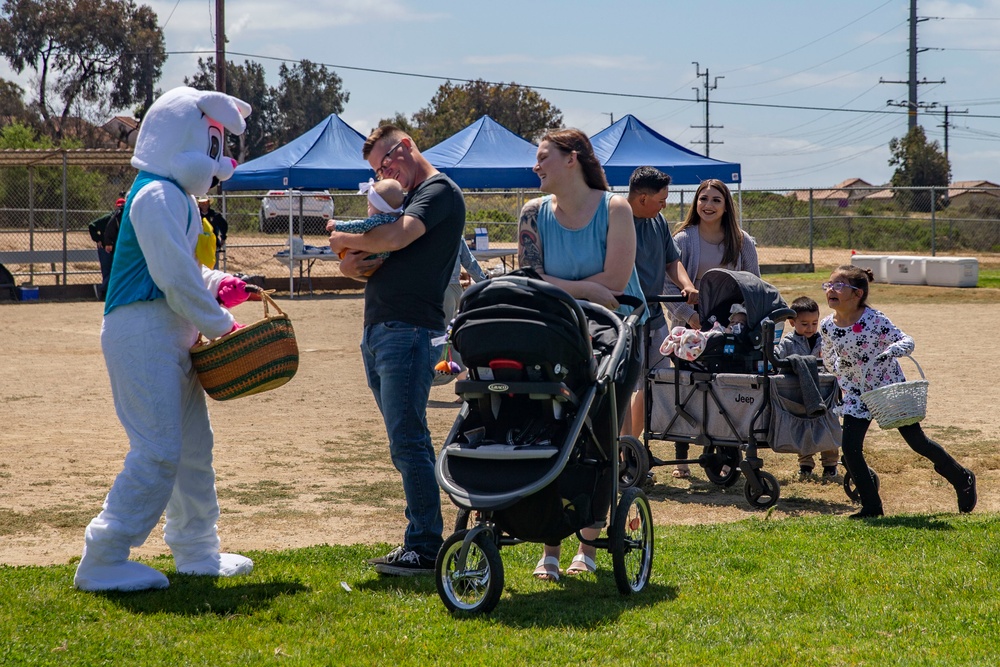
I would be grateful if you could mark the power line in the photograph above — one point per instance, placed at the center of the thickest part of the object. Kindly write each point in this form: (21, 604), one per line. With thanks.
(580, 91)
(817, 40)
(828, 61)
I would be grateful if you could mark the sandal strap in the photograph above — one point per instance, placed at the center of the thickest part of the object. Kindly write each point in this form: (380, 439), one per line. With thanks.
(547, 566)
(587, 561)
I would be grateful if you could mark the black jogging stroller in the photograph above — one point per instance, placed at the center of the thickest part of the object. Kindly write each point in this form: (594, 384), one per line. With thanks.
(533, 454)
(736, 397)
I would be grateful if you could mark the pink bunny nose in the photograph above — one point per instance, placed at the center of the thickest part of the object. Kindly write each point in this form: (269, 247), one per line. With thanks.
(235, 163)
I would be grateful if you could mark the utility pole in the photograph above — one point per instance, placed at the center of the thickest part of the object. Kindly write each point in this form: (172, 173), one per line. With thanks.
(697, 93)
(947, 124)
(912, 104)
(220, 45)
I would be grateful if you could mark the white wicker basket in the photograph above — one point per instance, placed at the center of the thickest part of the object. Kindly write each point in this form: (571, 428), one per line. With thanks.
(900, 404)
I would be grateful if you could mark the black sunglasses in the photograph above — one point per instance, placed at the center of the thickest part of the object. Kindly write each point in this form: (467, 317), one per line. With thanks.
(386, 158)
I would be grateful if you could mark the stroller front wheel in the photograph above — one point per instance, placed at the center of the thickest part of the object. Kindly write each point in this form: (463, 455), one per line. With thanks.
(632, 542)
(472, 587)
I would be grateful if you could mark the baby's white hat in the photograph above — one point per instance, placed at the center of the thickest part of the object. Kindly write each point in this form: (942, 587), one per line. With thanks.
(737, 308)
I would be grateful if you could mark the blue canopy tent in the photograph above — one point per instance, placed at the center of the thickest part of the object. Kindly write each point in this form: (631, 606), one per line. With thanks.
(326, 157)
(629, 143)
(486, 155)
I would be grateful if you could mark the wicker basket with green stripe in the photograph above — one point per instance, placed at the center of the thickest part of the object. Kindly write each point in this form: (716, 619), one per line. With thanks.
(256, 358)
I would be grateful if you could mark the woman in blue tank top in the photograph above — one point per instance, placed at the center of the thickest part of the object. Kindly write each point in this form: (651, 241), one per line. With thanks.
(579, 237)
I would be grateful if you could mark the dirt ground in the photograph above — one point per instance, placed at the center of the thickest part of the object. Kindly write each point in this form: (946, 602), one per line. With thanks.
(307, 463)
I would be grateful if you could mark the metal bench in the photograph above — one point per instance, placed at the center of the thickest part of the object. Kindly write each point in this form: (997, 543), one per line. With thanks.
(50, 257)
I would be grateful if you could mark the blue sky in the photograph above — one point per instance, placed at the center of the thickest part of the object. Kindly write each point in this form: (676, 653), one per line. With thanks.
(822, 61)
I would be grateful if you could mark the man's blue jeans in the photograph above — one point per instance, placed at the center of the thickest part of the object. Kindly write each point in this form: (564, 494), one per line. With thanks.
(399, 361)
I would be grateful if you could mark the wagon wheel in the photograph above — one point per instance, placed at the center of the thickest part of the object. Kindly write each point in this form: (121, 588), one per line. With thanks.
(716, 460)
(632, 542)
(851, 490)
(767, 496)
(475, 588)
(633, 462)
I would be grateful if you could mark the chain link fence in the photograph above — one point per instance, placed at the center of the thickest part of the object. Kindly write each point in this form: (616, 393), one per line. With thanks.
(44, 214)
(47, 199)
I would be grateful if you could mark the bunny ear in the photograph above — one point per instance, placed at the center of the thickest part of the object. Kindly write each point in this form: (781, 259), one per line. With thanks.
(225, 109)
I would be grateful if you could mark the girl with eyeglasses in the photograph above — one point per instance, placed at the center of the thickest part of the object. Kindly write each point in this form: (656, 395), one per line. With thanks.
(860, 346)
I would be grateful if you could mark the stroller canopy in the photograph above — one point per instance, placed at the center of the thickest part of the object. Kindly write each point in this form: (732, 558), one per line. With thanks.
(721, 288)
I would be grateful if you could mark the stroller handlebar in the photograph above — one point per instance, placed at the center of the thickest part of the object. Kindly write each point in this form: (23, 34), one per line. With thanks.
(667, 298)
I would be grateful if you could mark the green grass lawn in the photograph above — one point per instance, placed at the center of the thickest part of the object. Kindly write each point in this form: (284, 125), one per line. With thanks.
(903, 590)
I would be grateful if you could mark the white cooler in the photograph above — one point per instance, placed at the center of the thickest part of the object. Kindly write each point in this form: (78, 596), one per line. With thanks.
(901, 270)
(952, 271)
(874, 262)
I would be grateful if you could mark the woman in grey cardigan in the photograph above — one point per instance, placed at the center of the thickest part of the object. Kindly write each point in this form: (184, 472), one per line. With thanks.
(709, 238)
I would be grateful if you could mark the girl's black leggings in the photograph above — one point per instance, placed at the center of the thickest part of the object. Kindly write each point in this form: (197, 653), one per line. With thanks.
(854, 458)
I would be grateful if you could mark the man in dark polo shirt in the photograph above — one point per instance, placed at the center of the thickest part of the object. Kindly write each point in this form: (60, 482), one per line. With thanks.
(656, 259)
(404, 312)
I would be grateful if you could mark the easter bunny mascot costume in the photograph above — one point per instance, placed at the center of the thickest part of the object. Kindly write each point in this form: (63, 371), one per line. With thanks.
(159, 298)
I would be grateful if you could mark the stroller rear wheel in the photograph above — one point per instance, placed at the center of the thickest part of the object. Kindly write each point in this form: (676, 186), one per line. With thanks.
(767, 495)
(851, 490)
(721, 464)
(633, 467)
(473, 587)
(632, 542)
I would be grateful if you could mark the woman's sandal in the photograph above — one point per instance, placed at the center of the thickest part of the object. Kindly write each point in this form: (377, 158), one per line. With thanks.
(547, 569)
(581, 563)
(681, 472)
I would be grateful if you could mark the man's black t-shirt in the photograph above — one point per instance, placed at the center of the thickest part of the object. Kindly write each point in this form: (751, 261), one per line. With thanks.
(409, 287)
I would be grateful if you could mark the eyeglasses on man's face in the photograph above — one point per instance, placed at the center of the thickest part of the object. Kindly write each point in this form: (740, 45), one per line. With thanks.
(386, 159)
(837, 286)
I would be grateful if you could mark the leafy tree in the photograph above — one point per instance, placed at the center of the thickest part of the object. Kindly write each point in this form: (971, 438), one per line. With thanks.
(82, 52)
(83, 186)
(402, 122)
(12, 106)
(306, 94)
(246, 82)
(519, 109)
(919, 164)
